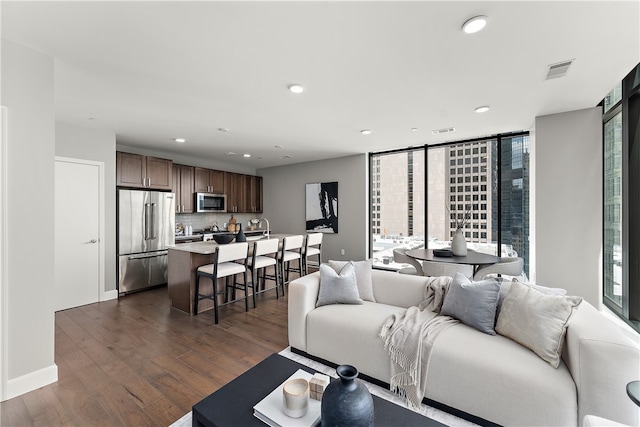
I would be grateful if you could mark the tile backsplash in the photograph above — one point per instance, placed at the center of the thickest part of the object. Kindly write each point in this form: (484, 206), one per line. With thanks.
(199, 221)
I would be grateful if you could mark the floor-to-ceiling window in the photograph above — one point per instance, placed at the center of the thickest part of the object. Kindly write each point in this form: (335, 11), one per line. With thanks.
(621, 201)
(486, 179)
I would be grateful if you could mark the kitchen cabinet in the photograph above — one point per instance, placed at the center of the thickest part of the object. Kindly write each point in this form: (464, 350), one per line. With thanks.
(137, 171)
(209, 181)
(183, 187)
(235, 190)
(244, 193)
(254, 192)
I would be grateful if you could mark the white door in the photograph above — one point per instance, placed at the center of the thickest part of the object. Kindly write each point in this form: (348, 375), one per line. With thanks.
(77, 233)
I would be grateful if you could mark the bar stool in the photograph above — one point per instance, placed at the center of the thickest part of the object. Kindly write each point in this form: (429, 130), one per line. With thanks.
(313, 247)
(291, 250)
(223, 265)
(260, 261)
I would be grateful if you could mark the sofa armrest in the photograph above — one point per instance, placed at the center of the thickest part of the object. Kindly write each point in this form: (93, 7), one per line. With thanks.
(303, 294)
(602, 360)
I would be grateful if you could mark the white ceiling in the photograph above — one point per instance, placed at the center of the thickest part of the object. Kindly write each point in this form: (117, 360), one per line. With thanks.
(153, 71)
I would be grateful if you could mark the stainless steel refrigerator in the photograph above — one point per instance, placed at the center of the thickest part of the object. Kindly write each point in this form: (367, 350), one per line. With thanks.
(146, 227)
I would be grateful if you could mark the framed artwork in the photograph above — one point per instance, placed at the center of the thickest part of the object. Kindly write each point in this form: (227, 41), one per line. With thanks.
(322, 207)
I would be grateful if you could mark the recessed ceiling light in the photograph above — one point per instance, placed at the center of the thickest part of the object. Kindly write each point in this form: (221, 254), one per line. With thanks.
(296, 88)
(482, 109)
(180, 140)
(230, 153)
(475, 24)
(414, 129)
(246, 155)
(223, 130)
(277, 146)
(365, 131)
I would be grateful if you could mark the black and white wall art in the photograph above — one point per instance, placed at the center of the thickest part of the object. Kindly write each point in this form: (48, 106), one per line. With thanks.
(322, 207)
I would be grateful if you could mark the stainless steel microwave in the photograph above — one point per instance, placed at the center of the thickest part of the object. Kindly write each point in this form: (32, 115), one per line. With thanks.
(207, 202)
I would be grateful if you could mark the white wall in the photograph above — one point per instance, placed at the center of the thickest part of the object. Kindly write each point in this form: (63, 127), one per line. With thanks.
(28, 94)
(568, 202)
(284, 202)
(91, 144)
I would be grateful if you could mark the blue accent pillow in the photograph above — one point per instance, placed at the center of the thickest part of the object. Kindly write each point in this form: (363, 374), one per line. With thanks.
(473, 303)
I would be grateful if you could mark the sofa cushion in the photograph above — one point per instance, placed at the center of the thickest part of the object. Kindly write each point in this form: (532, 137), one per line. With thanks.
(497, 379)
(363, 276)
(348, 334)
(338, 287)
(473, 303)
(505, 286)
(537, 321)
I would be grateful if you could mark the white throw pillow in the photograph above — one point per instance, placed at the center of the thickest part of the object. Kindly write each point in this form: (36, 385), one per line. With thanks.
(363, 276)
(537, 321)
(338, 288)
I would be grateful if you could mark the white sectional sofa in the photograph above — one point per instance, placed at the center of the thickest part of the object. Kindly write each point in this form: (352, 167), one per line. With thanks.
(490, 377)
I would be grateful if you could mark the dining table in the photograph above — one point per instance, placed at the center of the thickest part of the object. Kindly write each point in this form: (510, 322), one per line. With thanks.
(473, 258)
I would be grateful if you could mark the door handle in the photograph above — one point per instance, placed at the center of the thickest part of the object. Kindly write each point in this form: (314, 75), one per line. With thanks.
(91, 241)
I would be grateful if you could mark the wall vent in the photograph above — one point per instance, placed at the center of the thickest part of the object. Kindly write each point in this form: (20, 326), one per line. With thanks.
(444, 130)
(558, 70)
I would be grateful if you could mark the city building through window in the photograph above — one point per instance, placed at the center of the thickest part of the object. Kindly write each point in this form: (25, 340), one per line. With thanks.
(418, 194)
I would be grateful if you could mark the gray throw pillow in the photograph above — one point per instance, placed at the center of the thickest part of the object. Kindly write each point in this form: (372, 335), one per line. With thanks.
(473, 303)
(363, 276)
(338, 288)
(537, 321)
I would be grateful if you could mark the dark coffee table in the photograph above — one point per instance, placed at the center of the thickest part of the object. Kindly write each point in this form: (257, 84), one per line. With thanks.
(232, 405)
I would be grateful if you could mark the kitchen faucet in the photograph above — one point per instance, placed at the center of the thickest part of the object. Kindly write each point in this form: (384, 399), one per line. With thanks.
(267, 221)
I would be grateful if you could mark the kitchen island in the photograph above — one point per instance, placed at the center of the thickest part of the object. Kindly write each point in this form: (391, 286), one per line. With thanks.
(184, 260)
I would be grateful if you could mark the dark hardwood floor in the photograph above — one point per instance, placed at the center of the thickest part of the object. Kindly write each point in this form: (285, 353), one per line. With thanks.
(137, 362)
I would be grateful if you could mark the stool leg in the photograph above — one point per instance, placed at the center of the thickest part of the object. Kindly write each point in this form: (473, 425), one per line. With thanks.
(255, 280)
(246, 293)
(214, 281)
(195, 297)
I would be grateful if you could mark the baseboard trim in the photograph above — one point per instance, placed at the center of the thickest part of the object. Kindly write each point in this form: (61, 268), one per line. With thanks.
(31, 381)
(445, 408)
(109, 295)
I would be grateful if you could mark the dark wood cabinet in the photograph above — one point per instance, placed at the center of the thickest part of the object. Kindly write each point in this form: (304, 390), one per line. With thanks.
(244, 193)
(137, 171)
(209, 181)
(183, 178)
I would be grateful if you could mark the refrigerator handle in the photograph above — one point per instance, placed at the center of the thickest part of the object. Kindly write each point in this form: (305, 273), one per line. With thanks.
(147, 221)
(154, 225)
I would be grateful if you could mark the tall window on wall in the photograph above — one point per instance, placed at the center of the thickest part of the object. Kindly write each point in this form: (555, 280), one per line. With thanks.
(488, 179)
(397, 201)
(621, 231)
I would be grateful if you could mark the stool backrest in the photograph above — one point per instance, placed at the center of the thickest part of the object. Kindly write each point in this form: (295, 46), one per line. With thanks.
(314, 239)
(232, 252)
(265, 246)
(292, 242)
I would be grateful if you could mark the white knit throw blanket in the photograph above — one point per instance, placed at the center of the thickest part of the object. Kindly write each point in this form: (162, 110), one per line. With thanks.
(409, 337)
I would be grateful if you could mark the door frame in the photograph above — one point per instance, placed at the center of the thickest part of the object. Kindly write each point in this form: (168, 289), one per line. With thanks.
(102, 295)
(4, 304)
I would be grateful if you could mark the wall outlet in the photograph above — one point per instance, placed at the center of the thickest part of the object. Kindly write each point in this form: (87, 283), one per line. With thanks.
(341, 251)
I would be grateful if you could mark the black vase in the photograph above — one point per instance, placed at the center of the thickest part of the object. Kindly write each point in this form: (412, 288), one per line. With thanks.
(346, 402)
(240, 237)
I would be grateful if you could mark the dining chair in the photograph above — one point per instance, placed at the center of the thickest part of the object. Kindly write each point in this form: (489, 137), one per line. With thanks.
(312, 247)
(510, 266)
(264, 255)
(400, 256)
(291, 250)
(228, 261)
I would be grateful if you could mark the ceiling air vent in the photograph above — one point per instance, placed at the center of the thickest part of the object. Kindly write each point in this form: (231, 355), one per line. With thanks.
(444, 130)
(558, 70)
